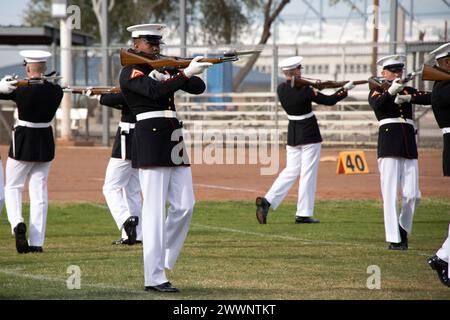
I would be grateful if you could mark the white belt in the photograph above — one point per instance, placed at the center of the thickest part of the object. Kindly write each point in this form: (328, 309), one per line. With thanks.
(28, 124)
(156, 114)
(302, 117)
(33, 124)
(445, 130)
(125, 128)
(396, 120)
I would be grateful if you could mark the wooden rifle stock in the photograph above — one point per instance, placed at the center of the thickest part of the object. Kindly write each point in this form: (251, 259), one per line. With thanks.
(319, 85)
(27, 82)
(128, 57)
(378, 82)
(434, 73)
(92, 90)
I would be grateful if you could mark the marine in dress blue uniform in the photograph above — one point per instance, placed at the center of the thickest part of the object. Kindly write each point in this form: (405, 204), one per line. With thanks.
(397, 149)
(158, 153)
(31, 151)
(303, 145)
(440, 102)
(121, 188)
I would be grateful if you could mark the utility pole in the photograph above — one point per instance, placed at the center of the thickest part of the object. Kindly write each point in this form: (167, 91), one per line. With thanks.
(375, 13)
(105, 68)
(365, 20)
(320, 20)
(393, 27)
(59, 10)
(183, 28)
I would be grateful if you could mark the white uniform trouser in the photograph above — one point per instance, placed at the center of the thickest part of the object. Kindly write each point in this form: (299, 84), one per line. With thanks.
(2, 188)
(163, 237)
(443, 253)
(123, 193)
(399, 174)
(301, 161)
(16, 174)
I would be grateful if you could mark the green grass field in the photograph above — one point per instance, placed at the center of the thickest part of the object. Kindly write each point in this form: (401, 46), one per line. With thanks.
(228, 255)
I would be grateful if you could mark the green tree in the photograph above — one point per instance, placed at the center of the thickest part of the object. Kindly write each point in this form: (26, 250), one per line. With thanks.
(121, 14)
(221, 20)
(224, 20)
(271, 10)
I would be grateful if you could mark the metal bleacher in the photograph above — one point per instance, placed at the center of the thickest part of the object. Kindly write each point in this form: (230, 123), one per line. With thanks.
(347, 123)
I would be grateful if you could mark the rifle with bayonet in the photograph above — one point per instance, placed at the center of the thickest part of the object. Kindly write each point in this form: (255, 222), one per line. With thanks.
(319, 84)
(381, 82)
(157, 61)
(91, 91)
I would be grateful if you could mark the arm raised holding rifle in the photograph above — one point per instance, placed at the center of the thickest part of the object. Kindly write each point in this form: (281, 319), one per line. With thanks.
(304, 142)
(32, 147)
(392, 101)
(440, 103)
(160, 62)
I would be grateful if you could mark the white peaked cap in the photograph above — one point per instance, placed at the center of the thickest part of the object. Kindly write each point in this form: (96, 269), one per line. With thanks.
(441, 52)
(33, 56)
(391, 60)
(290, 63)
(150, 29)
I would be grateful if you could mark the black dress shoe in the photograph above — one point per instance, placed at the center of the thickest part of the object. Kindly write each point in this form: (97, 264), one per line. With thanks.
(21, 239)
(124, 241)
(398, 246)
(306, 220)
(403, 236)
(130, 228)
(441, 268)
(262, 209)
(163, 287)
(36, 249)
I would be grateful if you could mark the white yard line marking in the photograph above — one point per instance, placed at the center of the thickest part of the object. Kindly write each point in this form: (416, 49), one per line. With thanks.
(298, 240)
(16, 272)
(212, 186)
(277, 236)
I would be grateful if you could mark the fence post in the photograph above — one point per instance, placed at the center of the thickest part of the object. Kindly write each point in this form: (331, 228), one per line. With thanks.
(274, 82)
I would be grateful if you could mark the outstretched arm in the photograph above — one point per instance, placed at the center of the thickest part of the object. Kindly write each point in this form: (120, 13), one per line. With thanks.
(324, 99)
(113, 100)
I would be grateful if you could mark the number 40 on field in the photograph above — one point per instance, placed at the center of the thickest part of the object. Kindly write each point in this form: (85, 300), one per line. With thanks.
(351, 162)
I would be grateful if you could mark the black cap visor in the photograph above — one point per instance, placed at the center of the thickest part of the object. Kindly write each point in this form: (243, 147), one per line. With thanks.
(152, 39)
(395, 68)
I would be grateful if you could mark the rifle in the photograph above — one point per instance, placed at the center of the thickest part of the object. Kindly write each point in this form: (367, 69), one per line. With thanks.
(41, 80)
(319, 84)
(157, 61)
(381, 82)
(434, 73)
(92, 90)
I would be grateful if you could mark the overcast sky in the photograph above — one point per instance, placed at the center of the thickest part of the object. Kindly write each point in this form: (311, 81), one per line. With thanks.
(11, 12)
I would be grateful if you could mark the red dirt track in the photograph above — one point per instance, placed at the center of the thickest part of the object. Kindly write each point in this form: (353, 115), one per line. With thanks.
(77, 175)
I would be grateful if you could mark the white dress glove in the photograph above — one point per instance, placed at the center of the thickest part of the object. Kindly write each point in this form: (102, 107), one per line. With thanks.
(349, 86)
(158, 76)
(396, 87)
(196, 67)
(7, 85)
(402, 98)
